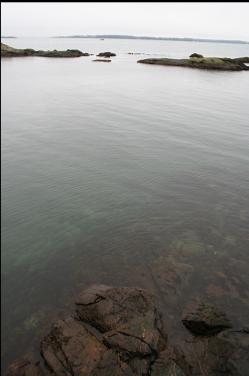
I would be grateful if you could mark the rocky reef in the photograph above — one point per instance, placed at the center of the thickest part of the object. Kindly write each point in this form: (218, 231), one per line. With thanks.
(200, 62)
(7, 51)
(120, 331)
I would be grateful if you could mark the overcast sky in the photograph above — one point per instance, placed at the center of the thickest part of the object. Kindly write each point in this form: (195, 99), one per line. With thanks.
(204, 20)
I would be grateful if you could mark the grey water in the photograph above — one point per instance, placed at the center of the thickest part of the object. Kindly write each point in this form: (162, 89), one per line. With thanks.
(106, 166)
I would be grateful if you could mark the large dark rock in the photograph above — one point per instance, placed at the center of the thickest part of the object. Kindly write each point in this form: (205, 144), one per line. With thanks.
(72, 347)
(204, 319)
(117, 330)
(106, 54)
(123, 312)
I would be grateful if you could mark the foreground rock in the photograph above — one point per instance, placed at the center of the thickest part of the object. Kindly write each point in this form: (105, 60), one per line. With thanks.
(117, 330)
(204, 319)
(106, 54)
(210, 63)
(7, 51)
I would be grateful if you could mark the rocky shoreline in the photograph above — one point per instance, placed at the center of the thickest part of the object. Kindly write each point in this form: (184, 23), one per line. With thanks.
(195, 60)
(120, 331)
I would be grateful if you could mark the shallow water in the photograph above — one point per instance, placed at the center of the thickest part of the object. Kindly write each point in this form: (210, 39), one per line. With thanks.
(116, 173)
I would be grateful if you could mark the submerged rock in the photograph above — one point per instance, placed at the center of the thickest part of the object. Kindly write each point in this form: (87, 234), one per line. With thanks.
(7, 51)
(106, 54)
(204, 319)
(70, 346)
(210, 63)
(103, 60)
(29, 366)
(223, 354)
(120, 312)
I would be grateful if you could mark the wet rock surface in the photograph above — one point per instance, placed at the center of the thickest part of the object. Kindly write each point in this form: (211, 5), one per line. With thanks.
(223, 354)
(119, 331)
(204, 319)
(114, 328)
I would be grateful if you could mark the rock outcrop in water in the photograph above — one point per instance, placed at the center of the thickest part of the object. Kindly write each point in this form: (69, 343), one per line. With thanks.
(244, 59)
(210, 63)
(196, 55)
(119, 331)
(7, 51)
(106, 54)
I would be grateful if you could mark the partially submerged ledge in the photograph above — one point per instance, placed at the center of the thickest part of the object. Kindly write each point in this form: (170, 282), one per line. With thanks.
(7, 51)
(103, 60)
(210, 63)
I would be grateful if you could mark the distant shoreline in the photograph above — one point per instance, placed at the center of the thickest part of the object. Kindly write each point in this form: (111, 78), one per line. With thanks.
(173, 39)
(133, 37)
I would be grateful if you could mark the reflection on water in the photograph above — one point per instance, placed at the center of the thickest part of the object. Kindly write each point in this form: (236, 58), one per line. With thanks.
(121, 174)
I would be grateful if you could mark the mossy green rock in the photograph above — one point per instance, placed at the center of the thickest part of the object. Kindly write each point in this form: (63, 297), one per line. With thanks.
(7, 51)
(210, 63)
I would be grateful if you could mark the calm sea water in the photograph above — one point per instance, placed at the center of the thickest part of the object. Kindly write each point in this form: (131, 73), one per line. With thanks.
(108, 168)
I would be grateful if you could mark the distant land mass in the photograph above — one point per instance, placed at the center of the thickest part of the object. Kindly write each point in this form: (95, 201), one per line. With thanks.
(110, 36)
(7, 36)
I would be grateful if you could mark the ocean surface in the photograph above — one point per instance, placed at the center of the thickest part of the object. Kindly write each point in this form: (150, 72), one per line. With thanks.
(117, 173)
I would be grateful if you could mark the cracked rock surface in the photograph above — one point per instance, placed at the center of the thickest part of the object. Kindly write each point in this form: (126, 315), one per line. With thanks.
(119, 332)
(116, 331)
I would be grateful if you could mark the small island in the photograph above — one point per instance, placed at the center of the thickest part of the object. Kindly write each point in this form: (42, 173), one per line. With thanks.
(198, 61)
(106, 54)
(7, 51)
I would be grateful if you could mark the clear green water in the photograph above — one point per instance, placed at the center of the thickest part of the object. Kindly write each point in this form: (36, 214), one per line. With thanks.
(115, 173)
